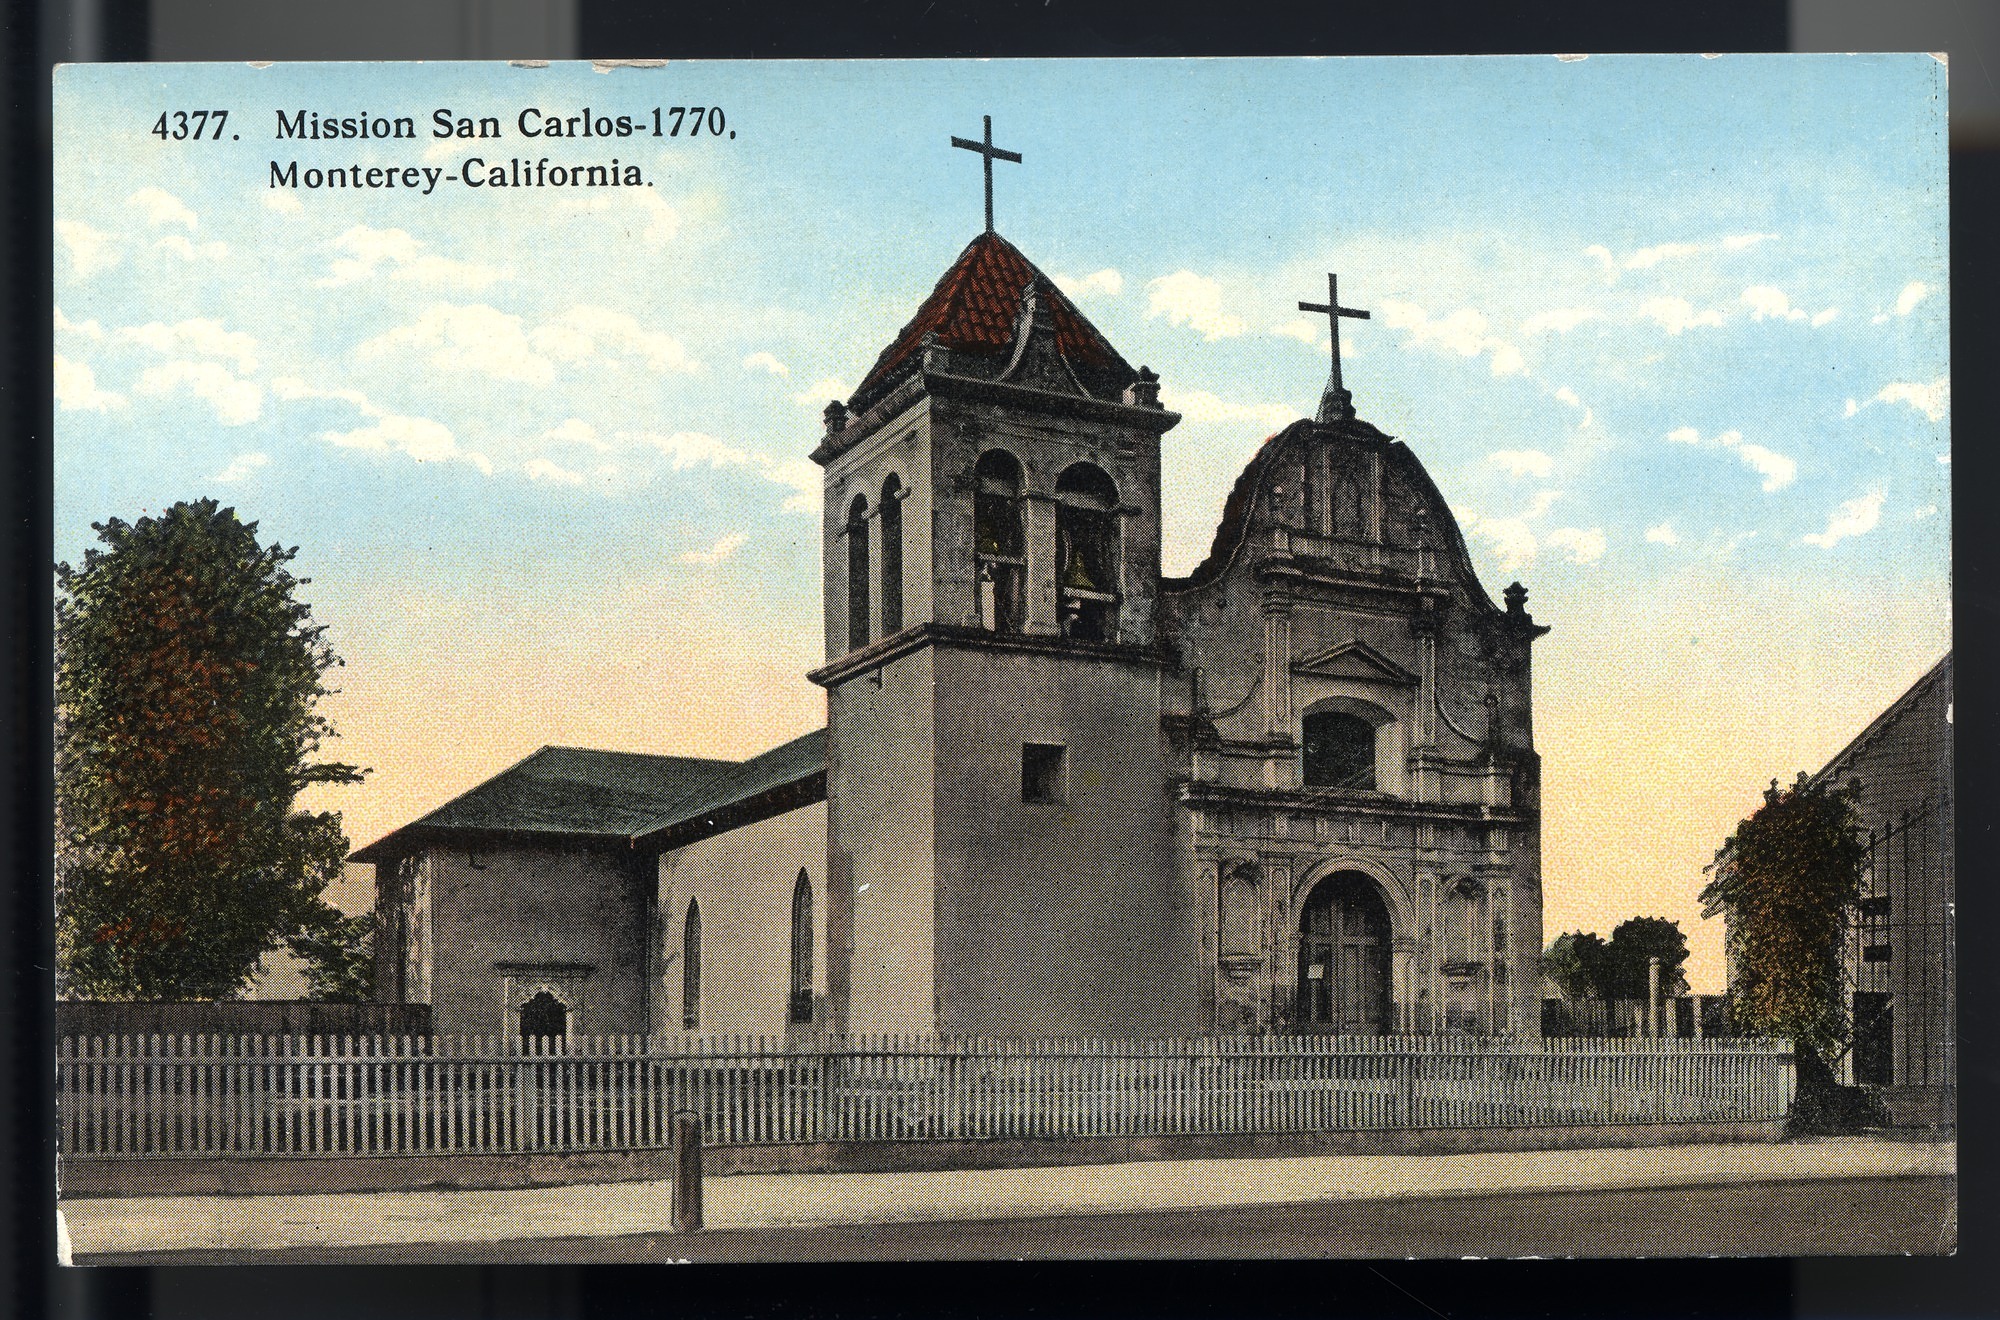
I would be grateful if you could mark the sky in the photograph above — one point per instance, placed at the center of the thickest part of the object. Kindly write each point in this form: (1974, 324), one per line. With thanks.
(1670, 333)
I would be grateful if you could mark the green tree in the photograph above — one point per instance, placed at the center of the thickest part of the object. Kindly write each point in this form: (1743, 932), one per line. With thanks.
(187, 679)
(1785, 879)
(1576, 963)
(1628, 955)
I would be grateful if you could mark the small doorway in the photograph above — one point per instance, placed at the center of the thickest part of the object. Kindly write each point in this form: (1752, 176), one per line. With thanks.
(1874, 1039)
(544, 1021)
(1344, 958)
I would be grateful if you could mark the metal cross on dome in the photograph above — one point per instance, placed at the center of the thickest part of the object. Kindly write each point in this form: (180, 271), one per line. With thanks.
(990, 153)
(1336, 404)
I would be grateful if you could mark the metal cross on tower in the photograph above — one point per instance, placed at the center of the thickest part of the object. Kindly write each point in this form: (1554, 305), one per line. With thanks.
(1336, 404)
(991, 153)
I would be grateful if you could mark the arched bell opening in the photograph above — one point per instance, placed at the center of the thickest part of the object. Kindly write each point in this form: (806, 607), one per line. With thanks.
(1344, 971)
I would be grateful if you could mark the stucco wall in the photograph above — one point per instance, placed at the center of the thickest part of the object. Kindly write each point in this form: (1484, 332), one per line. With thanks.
(879, 856)
(743, 880)
(902, 449)
(538, 906)
(1069, 918)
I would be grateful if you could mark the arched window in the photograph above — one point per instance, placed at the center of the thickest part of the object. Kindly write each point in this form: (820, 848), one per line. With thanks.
(691, 968)
(544, 1021)
(892, 555)
(857, 573)
(1087, 553)
(997, 542)
(800, 1008)
(1340, 750)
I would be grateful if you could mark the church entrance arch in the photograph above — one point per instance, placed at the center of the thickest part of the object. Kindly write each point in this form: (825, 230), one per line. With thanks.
(1344, 953)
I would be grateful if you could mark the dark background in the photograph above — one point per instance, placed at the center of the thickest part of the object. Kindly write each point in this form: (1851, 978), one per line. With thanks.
(39, 35)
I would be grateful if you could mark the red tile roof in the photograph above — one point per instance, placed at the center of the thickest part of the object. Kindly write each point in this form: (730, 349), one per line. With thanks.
(972, 310)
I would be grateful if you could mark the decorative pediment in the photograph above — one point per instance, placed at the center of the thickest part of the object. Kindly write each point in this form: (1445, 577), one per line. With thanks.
(1354, 661)
(1037, 360)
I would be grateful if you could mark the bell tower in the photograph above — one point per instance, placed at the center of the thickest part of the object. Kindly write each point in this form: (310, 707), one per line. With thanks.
(1000, 835)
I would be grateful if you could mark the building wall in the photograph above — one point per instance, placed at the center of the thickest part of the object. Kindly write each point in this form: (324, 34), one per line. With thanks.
(1067, 918)
(882, 807)
(743, 879)
(506, 920)
(901, 448)
(1905, 768)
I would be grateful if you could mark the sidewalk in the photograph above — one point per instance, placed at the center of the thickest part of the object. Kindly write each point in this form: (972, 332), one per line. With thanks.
(254, 1223)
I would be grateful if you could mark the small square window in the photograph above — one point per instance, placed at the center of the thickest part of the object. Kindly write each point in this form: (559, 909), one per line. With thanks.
(1044, 772)
(1875, 953)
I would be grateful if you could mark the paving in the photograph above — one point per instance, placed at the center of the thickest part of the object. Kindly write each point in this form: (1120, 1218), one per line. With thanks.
(118, 1225)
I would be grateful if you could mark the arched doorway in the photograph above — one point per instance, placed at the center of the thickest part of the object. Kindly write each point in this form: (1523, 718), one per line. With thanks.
(544, 1020)
(1344, 958)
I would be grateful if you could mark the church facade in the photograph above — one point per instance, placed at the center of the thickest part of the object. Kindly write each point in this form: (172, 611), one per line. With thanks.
(1058, 793)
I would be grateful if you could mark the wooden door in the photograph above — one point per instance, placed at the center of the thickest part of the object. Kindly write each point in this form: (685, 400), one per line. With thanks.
(1344, 958)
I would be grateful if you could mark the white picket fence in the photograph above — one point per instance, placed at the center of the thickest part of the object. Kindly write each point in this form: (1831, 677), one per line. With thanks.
(212, 1096)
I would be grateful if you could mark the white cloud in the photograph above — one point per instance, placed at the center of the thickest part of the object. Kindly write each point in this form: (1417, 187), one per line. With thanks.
(686, 449)
(90, 250)
(204, 336)
(1561, 320)
(1303, 330)
(1522, 462)
(543, 469)
(1928, 511)
(163, 208)
(1580, 545)
(1663, 534)
(1195, 301)
(1647, 257)
(284, 201)
(1913, 293)
(76, 388)
(1768, 303)
(88, 329)
(242, 466)
(583, 332)
(401, 257)
(1776, 469)
(803, 477)
(575, 431)
(1677, 314)
(179, 246)
(1201, 408)
(1932, 400)
(1463, 332)
(761, 361)
(1513, 541)
(422, 439)
(236, 402)
(1106, 283)
(711, 555)
(292, 388)
(822, 391)
(1852, 518)
(477, 339)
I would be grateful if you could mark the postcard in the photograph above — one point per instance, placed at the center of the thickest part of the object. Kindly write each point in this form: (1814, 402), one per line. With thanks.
(816, 660)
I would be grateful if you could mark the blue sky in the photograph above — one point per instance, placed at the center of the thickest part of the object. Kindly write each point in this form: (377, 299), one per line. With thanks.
(1670, 333)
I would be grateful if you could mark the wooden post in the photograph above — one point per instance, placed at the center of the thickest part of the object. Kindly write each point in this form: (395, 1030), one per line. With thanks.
(686, 1213)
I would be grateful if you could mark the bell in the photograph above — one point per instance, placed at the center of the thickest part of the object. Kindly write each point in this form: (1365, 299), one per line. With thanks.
(1077, 576)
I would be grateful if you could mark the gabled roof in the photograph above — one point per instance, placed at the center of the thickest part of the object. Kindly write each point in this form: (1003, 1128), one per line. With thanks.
(578, 793)
(792, 763)
(1937, 673)
(973, 310)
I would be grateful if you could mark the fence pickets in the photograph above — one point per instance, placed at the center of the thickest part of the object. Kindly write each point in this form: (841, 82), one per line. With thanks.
(221, 1096)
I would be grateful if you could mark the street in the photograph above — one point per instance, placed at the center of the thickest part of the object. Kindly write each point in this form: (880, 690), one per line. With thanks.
(1910, 1215)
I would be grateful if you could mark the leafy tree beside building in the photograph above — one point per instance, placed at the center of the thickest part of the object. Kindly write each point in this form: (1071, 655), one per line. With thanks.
(1586, 966)
(188, 675)
(1785, 880)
